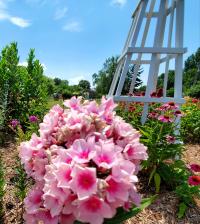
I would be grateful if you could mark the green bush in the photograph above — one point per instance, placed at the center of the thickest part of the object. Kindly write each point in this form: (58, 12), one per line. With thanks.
(23, 89)
(190, 123)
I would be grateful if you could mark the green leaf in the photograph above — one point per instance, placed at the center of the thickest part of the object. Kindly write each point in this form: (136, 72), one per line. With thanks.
(182, 209)
(157, 181)
(151, 175)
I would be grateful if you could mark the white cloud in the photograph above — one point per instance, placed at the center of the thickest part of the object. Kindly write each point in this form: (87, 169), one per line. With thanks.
(36, 2)
(75, 80)
(4, 15)
(119, 3)
(73, 27)
(44, 66)
(19, 22)
(25, 64)
(60, 13)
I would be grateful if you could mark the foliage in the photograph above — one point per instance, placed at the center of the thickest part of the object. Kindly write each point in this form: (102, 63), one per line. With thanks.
(84, 85)
(190, 123)
(22, 89)
(191, 77)
(21, 181)
(103, 79)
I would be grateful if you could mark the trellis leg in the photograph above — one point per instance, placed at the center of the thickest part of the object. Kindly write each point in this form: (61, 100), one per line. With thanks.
(137, 65)
(115, 78)
(179, 58)
(168, 45)
(121, 62)
(133, 43)
(155, 59)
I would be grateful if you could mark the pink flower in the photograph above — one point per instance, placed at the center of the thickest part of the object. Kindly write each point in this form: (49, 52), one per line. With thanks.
(117, 190)
(14, 123)
(124, 170)
(135, 151)
(195, 167)
(82, 151)
(67, 219)
(134, 196)
(153, 115)
(94, 210)
(194, 180)
(63, 175)
(106, 156)
(165, 119)
(73, 103)
(70, 205)
(170, 139)
(42, 216)
(34, 200)
(33, 119)
(178, 113)
(53, 204)
(170, 106)
(84, 164)
(84, 182)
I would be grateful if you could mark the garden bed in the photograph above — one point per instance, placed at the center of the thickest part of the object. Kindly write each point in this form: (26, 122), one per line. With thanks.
(163, 211)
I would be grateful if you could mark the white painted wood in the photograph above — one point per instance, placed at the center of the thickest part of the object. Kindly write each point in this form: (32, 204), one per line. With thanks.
(179, 43)
(168, 45)
(148, 99)
(149, 15)
(158, 50)
(155, 58)
(137, 65)
(168, 57)
(142, 62)
(133, 43)
(116, 77)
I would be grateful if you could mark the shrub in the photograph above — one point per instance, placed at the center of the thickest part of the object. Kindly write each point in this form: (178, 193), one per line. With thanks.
(190, 123)
(84, 163)
(23, 89)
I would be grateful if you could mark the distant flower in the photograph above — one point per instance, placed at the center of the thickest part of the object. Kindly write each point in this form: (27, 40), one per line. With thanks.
(178, 113)
(14, 123)
(33, 119)
(195, 167)
(170, 139)
(170, 106)
(153, 115)
(165, 119)
(194, 100)
(194, 180)
(159, 93)
(153, 94)
(131, 108)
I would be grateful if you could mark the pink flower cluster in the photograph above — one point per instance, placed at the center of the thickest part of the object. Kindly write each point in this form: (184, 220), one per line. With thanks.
(84, 164)
(166, 113)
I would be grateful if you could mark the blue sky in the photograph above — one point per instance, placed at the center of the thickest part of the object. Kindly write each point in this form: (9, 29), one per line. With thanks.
(72, 38)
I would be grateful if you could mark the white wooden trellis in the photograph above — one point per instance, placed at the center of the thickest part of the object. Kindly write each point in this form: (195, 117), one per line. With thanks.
(174, 10)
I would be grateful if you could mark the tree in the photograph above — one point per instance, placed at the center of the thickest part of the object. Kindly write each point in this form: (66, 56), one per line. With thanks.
(103, 79)
(57, 81)
(192, 61)
(84, 85)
